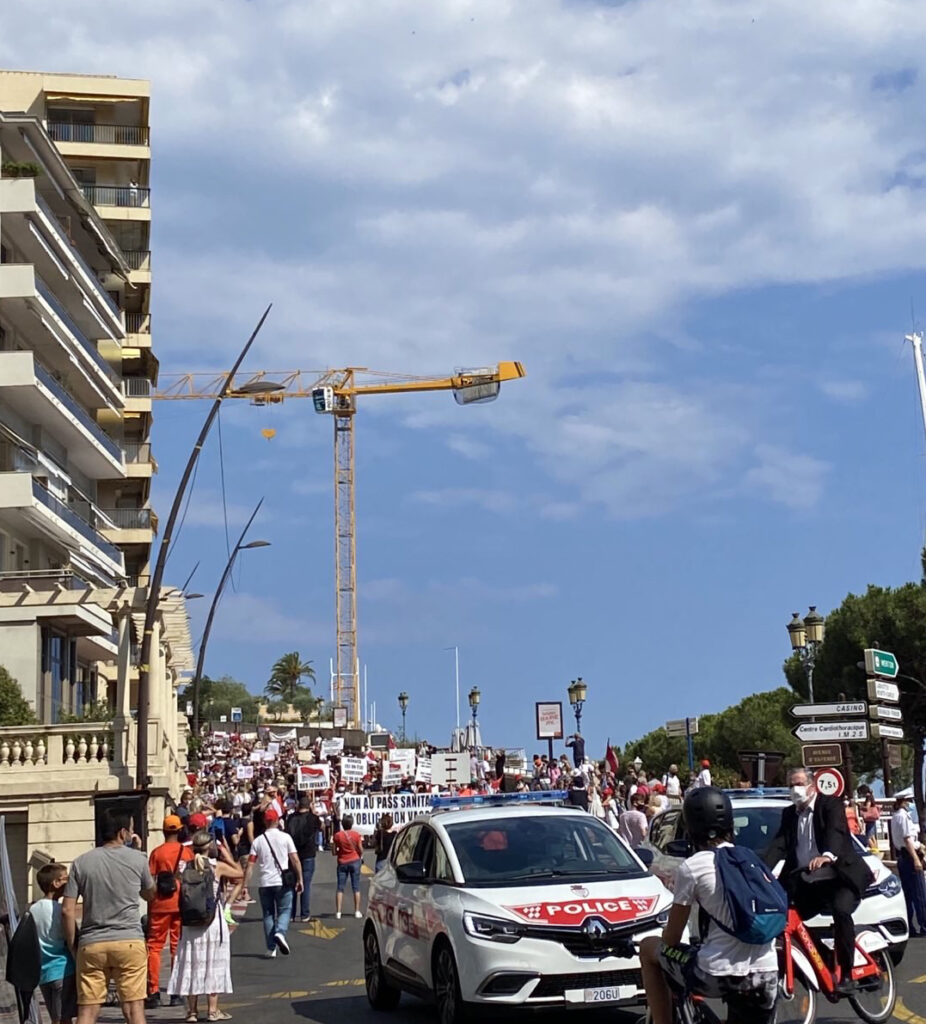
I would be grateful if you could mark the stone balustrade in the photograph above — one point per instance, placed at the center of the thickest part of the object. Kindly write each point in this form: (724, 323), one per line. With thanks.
(55, 746)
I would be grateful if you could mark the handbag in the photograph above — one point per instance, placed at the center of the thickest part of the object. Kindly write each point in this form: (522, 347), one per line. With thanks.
(288, 877)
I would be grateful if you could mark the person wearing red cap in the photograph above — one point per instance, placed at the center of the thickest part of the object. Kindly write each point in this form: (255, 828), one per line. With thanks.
(704, 776)
(166, 863)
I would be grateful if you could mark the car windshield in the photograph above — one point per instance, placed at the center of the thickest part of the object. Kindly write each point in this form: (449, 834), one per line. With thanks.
(520, 849)
(756, 827)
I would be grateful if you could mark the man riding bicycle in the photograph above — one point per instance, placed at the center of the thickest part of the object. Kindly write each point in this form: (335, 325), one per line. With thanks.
(823, 871)
(745, 976)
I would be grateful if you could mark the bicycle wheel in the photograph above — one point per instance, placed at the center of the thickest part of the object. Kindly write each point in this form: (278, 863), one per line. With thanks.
(874, 1002)
(798, 1008)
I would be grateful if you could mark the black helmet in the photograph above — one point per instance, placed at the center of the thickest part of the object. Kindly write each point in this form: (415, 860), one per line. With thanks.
(707, 813)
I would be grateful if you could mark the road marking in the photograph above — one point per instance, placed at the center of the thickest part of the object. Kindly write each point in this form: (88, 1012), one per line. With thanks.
(359, 981)
(365, 869)
(318, 930)
(919, 980)
(904, 1013)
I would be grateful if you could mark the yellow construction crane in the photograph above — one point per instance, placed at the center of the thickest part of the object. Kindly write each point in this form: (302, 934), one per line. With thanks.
(335, 392)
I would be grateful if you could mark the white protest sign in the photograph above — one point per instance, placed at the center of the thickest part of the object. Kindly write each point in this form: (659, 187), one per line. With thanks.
(333, 747)
(367, 810)
(405, 757)
(423, 774)
(245, 771)
(392, 773)
(353, 769)
(449, 769)
(257, 756)
(314, 776)
(273, 748)
(269, 757)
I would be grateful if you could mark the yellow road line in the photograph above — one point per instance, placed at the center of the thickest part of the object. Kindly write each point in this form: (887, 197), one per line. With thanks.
(919, 980)
(318, 930)
(359, 981)
(904, 1013)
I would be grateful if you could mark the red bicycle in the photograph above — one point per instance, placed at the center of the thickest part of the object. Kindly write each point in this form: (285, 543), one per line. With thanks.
(804, 969)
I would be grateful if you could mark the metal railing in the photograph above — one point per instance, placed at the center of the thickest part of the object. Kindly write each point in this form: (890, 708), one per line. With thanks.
(12, 580)
(75, 521)
(65, 317)
(136, 387)
(136, 451)
(14, 459)
(131, 518)
(137, 323)
(137, 259)
(133, 196)
(102, 134)
(78, 412)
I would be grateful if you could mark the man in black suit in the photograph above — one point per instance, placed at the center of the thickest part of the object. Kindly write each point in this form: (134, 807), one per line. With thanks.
(823, 870)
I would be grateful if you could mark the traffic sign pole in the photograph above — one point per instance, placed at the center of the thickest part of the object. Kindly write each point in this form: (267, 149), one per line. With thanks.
(690, 742)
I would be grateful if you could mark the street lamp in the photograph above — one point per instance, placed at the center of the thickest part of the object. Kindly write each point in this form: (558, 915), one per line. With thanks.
(403, 704)
(578, 692)
(806, 637)
(474, 697)
(637, 763)
(226, 576)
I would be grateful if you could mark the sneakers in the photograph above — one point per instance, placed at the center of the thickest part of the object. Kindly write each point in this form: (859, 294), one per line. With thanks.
(270, 954)
(282, 944)
(337, 916)
(153, 1001)
(357, 913)
(228, 916)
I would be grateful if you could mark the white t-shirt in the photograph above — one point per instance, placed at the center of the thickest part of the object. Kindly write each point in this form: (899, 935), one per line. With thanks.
(673, 785)
(704, 777)
(901, 827)
(721, 953)
(283, 846)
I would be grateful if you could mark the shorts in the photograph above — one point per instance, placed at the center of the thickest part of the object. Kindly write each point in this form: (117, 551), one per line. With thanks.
(349, 870)
(749, 997)
(124, 961)
(61, 998)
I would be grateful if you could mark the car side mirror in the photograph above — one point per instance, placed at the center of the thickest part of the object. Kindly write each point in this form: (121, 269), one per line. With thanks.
(646, 855)
(413, 871)
(678, 848)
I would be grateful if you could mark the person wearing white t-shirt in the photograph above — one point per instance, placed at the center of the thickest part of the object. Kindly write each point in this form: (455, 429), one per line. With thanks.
(704, 776)
(673, 786)
(275, 852)
(905, 840)
(722, 967)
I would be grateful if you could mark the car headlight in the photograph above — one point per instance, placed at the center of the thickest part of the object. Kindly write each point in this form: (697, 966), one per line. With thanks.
(890, 886)
(662, 919)
(495, 929)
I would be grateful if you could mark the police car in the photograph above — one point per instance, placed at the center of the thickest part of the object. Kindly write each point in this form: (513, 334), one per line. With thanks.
(509, 902)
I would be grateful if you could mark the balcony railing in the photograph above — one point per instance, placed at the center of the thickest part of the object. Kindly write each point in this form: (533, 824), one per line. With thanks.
(102, 134)
(136, 451)
(136, 387)
(65, 317)
(75, 521)
(131, 518)
(55, 746)
(12, 580)
(78, 412)
(138, 259)
(137, 323)
(132, 196)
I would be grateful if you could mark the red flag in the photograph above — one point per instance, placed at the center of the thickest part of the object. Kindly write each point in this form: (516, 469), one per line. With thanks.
(391, 742)
(611, 758)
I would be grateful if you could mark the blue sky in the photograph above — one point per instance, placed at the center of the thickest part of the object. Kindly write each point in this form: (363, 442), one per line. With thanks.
(699, 226)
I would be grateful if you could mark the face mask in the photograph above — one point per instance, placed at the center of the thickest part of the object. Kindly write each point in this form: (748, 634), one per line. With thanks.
(798, 794)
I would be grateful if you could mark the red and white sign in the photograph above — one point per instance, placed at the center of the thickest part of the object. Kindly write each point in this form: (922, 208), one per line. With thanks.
(829, 781)
(549, 719)
(314, 776)
(617, 911)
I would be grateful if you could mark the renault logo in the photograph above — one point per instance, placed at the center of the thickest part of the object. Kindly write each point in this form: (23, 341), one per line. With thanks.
(595, 928)
(578, 890)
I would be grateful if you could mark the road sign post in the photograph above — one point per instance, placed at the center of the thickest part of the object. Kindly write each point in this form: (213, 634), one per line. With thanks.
(839, 732)
(822, 755)
(836, 708)
(881, 689)
(881, 663)
(882, 731)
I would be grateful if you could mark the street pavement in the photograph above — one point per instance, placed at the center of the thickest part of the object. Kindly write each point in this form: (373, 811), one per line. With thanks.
(321, 982)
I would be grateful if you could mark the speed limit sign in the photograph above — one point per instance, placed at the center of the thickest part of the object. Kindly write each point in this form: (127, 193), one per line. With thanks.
(830, 781)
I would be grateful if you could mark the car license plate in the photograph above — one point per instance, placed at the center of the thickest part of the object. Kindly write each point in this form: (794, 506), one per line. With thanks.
(610, 994)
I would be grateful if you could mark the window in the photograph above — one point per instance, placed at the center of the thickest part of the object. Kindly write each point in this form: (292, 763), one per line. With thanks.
(441, 871)
(423, 850)
(662, 830)
(405, 845)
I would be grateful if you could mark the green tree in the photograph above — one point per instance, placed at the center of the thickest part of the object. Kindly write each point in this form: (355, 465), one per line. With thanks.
(277, 708)
(306, 705)
(286, 676)
(14, 708)
(893, 619)
(218, 696)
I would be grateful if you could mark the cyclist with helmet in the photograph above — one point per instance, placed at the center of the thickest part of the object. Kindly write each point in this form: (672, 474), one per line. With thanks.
(722, 966)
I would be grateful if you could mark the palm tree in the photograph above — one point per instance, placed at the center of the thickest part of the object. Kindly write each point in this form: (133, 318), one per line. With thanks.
(286, 676)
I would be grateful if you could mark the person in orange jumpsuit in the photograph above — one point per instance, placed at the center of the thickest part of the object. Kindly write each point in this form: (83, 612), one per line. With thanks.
(166, 862)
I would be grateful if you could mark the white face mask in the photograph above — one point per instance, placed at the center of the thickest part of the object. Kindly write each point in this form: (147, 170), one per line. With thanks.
(798, 794)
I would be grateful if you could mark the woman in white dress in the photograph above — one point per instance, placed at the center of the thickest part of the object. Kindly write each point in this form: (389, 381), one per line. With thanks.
(202, 965)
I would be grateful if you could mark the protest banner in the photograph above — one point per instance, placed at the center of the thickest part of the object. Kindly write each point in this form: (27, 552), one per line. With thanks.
(423, 774)
(245, 771)
(273, 747)
(333, 747)
(279, 735)
(314, 776)
(367, 810)
(392, 773)
(269, 756)
(353, 769)
(257, 756)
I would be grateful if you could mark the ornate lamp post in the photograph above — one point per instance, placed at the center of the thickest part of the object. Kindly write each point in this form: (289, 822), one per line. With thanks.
(806, 636)
(578, 692)
(474, 697)
(403, 704)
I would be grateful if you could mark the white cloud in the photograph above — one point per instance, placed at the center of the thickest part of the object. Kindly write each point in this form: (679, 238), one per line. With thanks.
(245, 616)
(847, 391)
(454, 497)
(792, 479)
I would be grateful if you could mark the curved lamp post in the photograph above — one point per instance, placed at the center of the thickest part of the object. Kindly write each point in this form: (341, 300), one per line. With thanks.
(578, 692)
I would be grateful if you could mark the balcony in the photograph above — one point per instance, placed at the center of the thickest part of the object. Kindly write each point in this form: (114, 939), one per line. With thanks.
(16, 581)
(100, 134)
(132, 197)
(136, 451)
(136, 387)
(132, 518)
(138, 259)
(137, 323)
(77, 522)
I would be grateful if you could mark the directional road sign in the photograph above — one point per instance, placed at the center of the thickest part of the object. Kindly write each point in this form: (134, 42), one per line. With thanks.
(830, 781)
(876, 711)
(677, 727)
(822, 755)
(850, 707)
(886, 732)
(881, 663)
(880, 689)
(837, 732)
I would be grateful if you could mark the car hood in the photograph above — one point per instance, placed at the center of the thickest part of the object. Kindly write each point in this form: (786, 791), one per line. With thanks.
(615, 903)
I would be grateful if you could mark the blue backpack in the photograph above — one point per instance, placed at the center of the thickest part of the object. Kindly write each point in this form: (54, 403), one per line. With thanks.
(755, 900)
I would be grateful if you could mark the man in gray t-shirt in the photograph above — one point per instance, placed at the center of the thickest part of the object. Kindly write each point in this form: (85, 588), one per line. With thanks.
(109, 880)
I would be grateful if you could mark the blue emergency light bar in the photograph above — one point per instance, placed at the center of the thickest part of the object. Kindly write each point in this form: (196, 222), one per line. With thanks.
(733, 794)
(548, 796)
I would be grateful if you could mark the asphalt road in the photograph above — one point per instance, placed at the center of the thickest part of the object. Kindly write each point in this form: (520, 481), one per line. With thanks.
(322, 980)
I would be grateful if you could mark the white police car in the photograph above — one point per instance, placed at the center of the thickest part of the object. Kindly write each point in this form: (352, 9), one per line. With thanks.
(501, 902)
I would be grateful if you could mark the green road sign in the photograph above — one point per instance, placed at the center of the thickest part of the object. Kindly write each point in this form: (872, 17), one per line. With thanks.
(881, 663)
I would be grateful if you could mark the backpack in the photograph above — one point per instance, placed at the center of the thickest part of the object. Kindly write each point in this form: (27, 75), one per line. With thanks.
(754, 898)
(197, 896)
